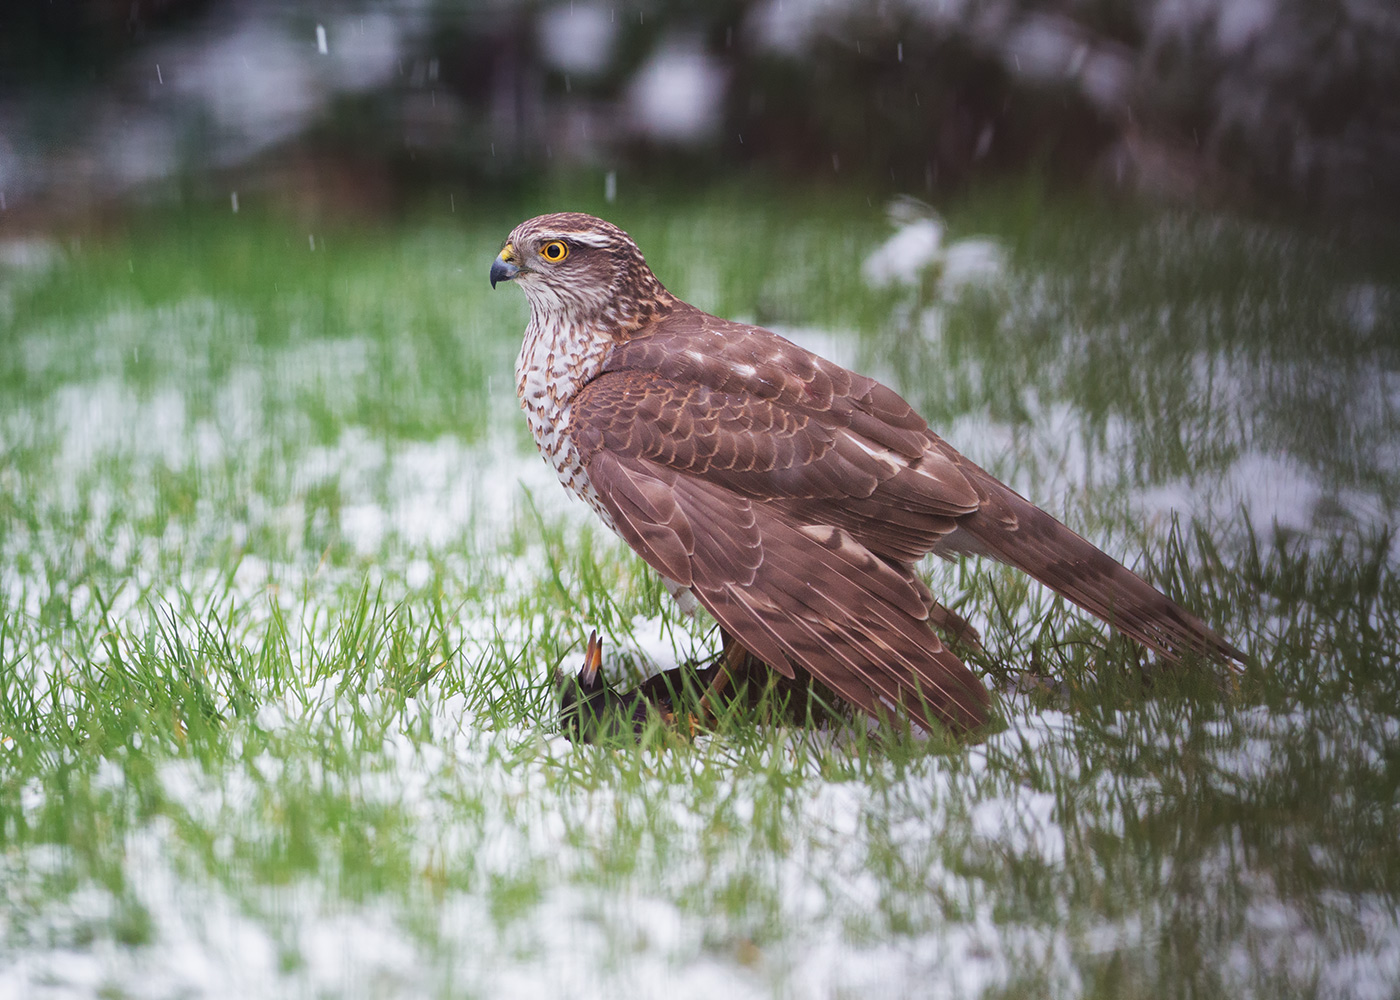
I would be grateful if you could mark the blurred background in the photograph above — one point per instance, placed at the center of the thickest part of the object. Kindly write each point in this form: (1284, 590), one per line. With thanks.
(336, 107)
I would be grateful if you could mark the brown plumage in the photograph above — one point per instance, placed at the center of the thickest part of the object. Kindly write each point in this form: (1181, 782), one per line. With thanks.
(789, 496)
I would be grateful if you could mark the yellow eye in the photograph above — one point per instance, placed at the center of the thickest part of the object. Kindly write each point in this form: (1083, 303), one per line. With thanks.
(554, 250)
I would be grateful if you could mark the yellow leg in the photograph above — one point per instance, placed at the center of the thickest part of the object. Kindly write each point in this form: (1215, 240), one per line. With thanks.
(731, 660)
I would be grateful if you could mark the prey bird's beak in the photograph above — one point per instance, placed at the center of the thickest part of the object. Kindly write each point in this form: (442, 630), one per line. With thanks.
(592, 661)
(504, 268)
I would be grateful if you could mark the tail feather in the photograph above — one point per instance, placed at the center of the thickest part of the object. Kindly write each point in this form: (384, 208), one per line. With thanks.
(1012, 530)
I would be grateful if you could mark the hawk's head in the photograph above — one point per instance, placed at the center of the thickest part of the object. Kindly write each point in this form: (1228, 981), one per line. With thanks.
(580, 266)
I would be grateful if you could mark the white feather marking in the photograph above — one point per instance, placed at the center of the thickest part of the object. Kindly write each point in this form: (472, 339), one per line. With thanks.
(584, 239)
(685, 597)
(890, 460)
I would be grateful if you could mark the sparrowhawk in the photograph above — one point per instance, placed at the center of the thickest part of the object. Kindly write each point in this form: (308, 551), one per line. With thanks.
(790, 497)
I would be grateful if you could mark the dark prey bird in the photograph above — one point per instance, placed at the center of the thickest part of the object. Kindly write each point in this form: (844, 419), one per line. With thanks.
(679, 698)
(589, 710)
(788, 496)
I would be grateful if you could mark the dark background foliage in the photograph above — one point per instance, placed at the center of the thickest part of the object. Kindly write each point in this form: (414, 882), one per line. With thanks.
(362, 105)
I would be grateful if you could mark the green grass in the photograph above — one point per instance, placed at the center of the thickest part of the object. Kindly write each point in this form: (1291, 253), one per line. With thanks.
(282, 589)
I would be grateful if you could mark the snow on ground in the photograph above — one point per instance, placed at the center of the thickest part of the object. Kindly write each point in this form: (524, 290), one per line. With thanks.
(582, 937)
(916, 252)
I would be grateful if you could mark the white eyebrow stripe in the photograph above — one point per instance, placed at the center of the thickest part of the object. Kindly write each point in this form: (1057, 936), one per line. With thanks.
(587, 239)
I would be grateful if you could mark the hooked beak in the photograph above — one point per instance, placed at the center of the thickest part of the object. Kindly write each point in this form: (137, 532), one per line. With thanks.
(504, 268)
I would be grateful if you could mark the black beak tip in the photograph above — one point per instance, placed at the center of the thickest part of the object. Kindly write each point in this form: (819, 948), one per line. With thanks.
(502, 270)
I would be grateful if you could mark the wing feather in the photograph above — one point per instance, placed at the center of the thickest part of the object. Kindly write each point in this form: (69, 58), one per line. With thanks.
(666, 537)
(798, 595)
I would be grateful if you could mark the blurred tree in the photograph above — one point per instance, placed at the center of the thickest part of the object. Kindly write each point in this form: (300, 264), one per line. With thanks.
(1275, 100)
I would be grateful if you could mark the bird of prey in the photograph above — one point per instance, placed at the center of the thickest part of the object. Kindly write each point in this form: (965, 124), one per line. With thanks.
(790, 497)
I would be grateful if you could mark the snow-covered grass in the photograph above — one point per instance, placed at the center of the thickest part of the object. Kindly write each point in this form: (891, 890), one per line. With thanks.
(282, 589)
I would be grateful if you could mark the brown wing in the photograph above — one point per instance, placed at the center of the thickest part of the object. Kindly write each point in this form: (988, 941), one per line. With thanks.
(747, 409)
(828, 447)
(704, 485)
(792, 595)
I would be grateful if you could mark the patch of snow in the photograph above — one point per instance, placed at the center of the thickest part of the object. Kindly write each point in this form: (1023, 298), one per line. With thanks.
(789, 26)
(1276, 490)
(30, 255)
(915, 251)
(1022, 824)
(578, 38)
(677, 96)
(365, 49)
(1043, 47)
(971, 262)
(1239, 22)
(905, 256)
